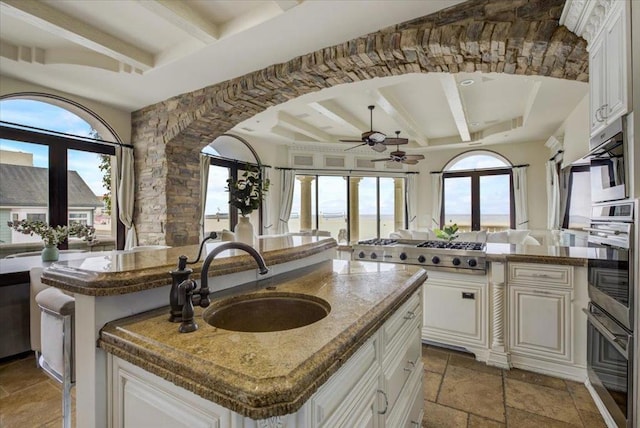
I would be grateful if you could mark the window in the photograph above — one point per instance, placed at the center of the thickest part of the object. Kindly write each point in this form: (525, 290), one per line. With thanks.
(57, 173)
(478, 192)
(379, 208)
(576, 195)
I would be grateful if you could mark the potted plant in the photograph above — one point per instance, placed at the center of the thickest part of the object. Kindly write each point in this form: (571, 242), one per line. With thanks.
(448, 233)
(53, 236)
(246, 194)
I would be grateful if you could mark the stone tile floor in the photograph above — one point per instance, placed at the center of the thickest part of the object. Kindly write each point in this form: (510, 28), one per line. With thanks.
(458, 391)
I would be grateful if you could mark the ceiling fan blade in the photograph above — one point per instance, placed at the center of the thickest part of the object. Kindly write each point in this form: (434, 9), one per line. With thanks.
(415, 157)
(410, 161)
(363, 144)
(379, 147)
(396, 141)
(381, 160)
(351, 141)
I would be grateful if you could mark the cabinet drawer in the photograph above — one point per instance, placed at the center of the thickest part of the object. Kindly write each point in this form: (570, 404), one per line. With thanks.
(401, 321)
(400, 369)
(341, 389)
(541, 275)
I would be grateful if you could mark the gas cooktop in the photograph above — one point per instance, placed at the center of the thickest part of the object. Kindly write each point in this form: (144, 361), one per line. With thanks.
(456, 256)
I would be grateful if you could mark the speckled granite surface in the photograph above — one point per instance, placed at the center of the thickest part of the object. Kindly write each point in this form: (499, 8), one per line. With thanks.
(121, 273)
(267, 374)
(572, 256)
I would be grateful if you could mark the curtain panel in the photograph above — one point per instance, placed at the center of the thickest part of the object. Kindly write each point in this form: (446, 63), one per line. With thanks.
(287, 181)
(520, 197)
(125, 176)
(553, 196)
(436, 199)
(205, 163)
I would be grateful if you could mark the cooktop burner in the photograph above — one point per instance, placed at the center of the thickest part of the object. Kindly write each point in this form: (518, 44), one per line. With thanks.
(456, 245)
(378, 241)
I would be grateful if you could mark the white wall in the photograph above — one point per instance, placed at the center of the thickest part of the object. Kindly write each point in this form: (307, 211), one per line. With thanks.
(535, 154)
(576, 133)
(119, 120)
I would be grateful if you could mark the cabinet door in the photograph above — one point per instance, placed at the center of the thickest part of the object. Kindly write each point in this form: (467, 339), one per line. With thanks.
(540, 323)
(616, 63)
(597, 83)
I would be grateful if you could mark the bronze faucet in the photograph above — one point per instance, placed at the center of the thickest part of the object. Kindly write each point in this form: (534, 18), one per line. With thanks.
(188, 287)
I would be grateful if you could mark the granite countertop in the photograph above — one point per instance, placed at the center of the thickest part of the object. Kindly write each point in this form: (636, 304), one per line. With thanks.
(261, 375)
(572, 256)
(117, 273)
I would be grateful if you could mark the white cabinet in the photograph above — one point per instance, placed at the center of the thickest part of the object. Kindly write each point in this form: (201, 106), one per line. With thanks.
(609, 68)
(546, 328)
(456, 310)
(379, 386)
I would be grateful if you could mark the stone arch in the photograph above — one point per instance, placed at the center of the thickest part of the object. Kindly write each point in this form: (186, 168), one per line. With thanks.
(508, 36)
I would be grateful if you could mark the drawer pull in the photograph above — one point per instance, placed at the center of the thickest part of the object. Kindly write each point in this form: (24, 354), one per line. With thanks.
(410, 315)
(412, 366)
(386, 403)
(541, 292)
(540, 275)
(415, 424)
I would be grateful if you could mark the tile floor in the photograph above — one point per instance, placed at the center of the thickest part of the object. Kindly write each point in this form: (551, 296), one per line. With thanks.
(458, 391)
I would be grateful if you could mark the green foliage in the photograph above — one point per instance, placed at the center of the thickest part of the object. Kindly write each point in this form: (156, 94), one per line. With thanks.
(449, 232)
(246, 193)
(54, 235)
(105, 167)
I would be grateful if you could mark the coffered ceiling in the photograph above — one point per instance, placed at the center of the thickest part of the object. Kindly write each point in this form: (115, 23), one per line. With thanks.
(133, 53)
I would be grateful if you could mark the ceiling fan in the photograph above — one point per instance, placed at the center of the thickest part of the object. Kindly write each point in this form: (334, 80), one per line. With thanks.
(400, 155)
(375, 139)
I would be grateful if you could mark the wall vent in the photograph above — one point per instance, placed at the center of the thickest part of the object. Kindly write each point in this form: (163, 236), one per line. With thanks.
(365, 163)
(393, 165)
(334, 162)
(303, 160)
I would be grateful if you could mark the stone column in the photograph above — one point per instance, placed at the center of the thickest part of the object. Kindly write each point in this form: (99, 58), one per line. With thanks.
(398, 203)
(305, 202)
(354, 218)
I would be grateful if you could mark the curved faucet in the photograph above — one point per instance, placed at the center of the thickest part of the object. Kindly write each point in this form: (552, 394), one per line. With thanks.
(187, 288)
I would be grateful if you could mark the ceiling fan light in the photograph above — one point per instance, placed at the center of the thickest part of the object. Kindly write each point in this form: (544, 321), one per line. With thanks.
(379, 147)
(377, 137)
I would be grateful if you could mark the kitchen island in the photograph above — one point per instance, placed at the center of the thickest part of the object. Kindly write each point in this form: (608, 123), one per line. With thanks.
(269, 381)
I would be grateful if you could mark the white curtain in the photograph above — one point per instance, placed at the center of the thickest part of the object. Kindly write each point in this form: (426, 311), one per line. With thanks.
(126, 190)
(520, 196)
(436, 199)
(205, 163)
(286, 199)
(553, 196)
(267, 226)
(412, 183)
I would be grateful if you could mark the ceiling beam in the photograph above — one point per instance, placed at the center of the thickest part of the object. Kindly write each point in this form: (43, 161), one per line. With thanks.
(533, 94)
(497, 128)
(450, 87)
(184, 17)
(339, 115)
(402, 118)
(291, 122)
(49, 19)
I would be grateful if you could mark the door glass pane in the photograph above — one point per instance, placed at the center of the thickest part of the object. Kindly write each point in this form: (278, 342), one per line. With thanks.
(91, 196)
(495, 204)
(457, 202)
(332, 204)
(391, 206)
(216, 212)
(367, 208)
(24, 193)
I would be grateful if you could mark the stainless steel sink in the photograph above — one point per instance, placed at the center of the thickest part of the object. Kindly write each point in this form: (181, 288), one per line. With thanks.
(266, 312)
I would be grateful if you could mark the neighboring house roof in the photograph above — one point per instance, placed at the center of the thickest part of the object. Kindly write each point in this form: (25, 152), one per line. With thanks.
(27, 186)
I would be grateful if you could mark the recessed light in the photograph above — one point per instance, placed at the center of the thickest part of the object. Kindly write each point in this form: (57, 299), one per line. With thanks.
(467, 82)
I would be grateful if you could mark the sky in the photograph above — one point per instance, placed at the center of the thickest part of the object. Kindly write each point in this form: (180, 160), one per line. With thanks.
(47, 116)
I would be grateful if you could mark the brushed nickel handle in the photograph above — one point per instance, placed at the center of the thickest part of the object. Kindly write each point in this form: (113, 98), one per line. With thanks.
(541, 292)
(540, 275)
(386, 403)
(410, 315)
(410, 369)
(414, 423)
(604, 113)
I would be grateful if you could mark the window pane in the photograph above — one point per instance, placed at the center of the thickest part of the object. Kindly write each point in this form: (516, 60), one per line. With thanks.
(391, 206)
(367, 209)
(24, 193)
(217, 207)
(45, 116)
(457, 202)
(477, 162)
(332, 204)
(580, 203)
(495, 206)
(91, 199)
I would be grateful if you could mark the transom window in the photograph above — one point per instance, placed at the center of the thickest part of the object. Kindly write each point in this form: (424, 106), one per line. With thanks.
(478, 192)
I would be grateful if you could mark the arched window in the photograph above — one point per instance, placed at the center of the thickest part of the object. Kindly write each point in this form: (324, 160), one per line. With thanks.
(55, 166)
(478, 192)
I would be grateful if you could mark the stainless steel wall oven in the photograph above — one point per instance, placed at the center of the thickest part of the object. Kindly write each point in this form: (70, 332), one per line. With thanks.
(611, 313)
(609, 174)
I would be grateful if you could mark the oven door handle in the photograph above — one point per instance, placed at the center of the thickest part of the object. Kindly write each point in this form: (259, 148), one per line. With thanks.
(604, 231)
(612, 338)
